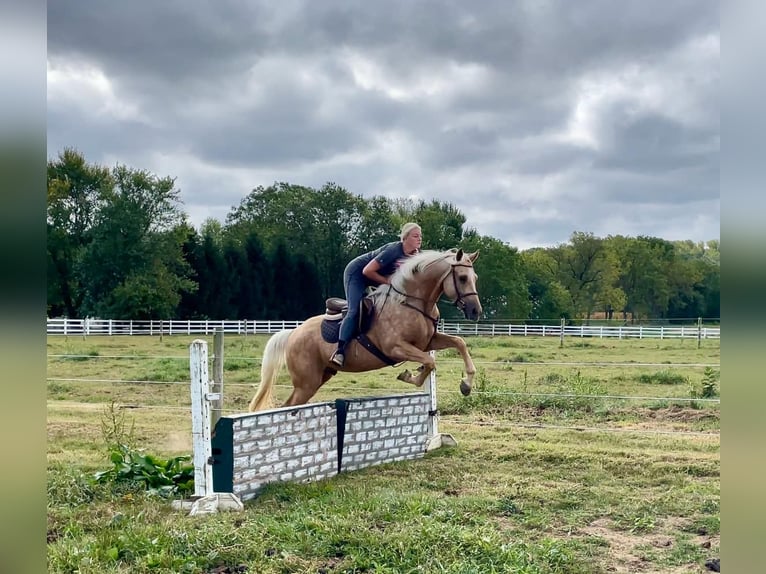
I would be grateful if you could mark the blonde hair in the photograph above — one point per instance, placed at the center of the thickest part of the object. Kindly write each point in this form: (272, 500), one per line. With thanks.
(408, 228)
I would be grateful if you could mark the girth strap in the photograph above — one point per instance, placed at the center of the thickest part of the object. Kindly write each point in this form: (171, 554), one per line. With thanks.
(367, 344)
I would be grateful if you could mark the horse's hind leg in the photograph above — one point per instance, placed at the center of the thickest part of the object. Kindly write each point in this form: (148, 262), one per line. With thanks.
(305, 386)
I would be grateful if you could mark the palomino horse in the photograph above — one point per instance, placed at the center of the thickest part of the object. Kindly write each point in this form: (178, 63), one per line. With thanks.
(403, 329)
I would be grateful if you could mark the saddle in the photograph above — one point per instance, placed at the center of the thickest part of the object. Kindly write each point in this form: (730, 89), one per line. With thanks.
(336, 309)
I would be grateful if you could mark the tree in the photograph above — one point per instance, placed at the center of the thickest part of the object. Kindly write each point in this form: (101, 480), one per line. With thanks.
(696, 280)
(548, 298)
(646, 265)
(203, 252)
(76, 192)
(441, 222)
(256, 281)
(502, 283)
(337, 217)
(191, 250)
(586, 270)
(320, 224)
(133, 266)
(310, 301)
(378, 226)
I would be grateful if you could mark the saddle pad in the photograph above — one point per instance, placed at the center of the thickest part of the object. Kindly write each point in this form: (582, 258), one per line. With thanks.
(330, 330)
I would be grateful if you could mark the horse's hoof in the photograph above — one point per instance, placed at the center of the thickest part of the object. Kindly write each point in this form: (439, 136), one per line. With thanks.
(465, 388)
(405, 376)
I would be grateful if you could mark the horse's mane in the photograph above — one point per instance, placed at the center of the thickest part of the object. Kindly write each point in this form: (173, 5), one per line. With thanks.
(409, 268)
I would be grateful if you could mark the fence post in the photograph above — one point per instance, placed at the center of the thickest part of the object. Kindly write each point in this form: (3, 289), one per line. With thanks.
(699, 332)
(435, 438)
(561, 335)
(217, 404)
(200, 408)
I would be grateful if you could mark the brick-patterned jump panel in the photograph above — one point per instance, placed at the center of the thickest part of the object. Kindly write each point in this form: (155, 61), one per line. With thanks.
(316, 441)
(286, 444)
(382, 429)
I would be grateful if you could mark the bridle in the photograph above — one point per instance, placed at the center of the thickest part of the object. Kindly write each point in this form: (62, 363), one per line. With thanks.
(459, 302)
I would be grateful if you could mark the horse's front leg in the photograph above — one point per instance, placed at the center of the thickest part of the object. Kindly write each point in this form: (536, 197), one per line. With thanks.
(409, 352)
(418, 381)
(444, 341)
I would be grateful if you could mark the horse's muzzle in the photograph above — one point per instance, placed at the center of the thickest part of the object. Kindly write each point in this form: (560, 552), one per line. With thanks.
(472, 310)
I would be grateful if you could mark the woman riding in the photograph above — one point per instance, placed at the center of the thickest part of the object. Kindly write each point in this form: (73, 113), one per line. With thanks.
(372, 268)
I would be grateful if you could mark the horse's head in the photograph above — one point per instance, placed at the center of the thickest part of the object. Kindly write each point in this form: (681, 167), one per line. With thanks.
(459, 285)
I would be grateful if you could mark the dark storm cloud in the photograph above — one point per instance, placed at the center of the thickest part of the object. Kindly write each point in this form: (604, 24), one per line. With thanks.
(556, 116)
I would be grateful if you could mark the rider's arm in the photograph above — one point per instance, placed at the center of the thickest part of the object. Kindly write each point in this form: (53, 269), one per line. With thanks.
(371, 272)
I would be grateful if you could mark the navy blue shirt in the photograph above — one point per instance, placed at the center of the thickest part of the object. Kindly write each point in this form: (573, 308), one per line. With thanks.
(388, 256)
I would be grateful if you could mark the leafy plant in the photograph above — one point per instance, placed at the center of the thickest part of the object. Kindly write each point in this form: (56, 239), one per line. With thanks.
(710, 380)
(709, 388)
(642, 523)
(159, 476)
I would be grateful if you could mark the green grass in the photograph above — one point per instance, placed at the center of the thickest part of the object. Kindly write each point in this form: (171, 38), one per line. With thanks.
(552, 473)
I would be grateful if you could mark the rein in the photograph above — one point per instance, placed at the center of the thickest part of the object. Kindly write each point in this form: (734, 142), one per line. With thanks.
(434, 320)
(458, 302)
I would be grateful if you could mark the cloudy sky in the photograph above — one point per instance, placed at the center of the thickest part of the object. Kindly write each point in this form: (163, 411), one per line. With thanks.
(534, 118)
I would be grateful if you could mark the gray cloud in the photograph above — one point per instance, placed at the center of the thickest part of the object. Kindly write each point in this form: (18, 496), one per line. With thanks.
(534, 119)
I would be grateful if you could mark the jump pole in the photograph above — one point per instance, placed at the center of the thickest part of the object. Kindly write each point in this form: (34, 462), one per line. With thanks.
(206, 500)
(435, 438)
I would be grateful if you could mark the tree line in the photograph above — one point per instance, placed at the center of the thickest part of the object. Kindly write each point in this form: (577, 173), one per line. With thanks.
(120, 246)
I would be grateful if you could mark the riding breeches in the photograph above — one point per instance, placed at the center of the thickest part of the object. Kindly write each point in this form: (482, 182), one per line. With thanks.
(355, 284)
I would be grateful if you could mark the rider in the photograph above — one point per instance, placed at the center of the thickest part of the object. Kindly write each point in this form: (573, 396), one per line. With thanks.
(372, 268)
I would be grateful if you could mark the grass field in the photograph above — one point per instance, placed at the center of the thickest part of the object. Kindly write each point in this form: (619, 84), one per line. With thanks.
(601, 456)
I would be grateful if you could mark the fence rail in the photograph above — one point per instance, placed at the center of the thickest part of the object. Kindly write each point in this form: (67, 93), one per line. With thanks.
(598, 331)
(64, 326)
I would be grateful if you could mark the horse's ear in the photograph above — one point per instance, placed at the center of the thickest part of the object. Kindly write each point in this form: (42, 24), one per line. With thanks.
(459, 255)
(473, 256)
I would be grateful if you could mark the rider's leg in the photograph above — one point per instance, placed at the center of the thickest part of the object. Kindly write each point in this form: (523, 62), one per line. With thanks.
(355, 286)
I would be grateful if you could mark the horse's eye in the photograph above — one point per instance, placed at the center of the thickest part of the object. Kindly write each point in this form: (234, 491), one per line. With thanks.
(463, 279)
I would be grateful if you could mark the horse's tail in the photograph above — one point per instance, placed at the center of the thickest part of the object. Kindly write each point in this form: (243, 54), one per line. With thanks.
(273, 360)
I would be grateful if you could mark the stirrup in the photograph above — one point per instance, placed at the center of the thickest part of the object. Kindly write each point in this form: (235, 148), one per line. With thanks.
(338, 359)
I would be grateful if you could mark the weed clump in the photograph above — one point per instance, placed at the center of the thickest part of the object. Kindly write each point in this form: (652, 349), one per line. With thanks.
(665, 377)
(708, 388)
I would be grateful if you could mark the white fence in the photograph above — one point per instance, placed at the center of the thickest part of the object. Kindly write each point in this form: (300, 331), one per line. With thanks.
(205, 327)
(249, 327)
(599, 331)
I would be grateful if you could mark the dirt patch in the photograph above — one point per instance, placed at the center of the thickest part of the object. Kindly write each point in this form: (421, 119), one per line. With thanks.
(228, 569)
(624, 554)
(52, 535)
(679, 414)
